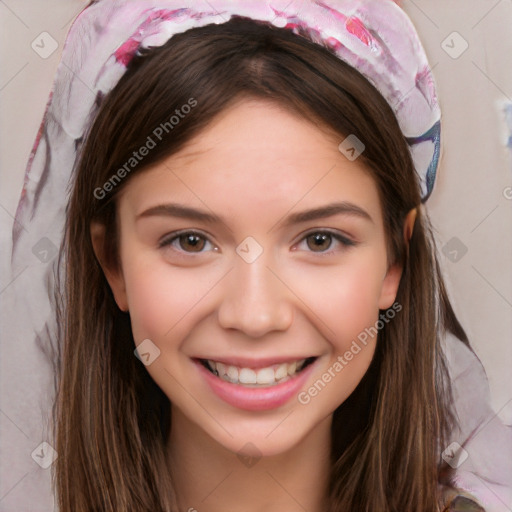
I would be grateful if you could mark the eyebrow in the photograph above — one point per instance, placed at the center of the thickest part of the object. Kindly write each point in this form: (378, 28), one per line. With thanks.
(186, 212)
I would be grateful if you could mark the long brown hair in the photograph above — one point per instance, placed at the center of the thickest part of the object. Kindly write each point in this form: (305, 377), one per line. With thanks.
(112, 420)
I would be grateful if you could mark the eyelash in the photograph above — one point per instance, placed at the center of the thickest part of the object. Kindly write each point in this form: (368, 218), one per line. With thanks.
(343, 240)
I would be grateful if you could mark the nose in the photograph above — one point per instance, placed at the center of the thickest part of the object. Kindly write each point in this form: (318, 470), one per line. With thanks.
(255, 300)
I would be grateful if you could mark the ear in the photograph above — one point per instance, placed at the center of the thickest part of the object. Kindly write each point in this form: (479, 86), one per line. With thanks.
(113, 274)
(390, 286)
(394, 273)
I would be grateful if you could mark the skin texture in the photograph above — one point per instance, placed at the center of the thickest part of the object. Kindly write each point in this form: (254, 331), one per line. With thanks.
(255, 165)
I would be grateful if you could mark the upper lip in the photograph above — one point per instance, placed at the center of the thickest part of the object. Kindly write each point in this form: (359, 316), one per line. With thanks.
(250, 362)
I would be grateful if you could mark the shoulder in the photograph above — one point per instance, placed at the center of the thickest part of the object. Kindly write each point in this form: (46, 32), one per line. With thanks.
(457, 500)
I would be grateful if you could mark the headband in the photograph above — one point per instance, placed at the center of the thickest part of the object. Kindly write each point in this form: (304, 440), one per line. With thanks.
(374, 36)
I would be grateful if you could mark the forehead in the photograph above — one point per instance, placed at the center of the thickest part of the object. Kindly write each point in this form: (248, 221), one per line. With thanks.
(253, 155)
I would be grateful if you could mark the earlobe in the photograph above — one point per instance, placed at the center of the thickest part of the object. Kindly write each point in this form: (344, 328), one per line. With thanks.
(113, 274)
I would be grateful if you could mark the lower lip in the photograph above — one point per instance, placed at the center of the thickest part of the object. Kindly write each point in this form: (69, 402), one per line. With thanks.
(256, 399)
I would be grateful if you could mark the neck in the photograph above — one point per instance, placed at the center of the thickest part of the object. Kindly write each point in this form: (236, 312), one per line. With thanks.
(208, 477)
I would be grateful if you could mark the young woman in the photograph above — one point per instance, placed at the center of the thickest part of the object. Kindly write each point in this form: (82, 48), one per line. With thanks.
(253, 311)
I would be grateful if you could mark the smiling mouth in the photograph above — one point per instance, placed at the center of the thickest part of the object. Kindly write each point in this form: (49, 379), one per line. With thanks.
(262, 377)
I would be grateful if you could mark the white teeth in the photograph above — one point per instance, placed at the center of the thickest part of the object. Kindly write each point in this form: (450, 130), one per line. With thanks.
(282, 371)
(232, 374)
(221, 368)
(263, 377)
(300, 365)
(247, 376)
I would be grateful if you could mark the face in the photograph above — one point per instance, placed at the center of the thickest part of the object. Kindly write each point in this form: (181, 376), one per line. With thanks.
(254, 261)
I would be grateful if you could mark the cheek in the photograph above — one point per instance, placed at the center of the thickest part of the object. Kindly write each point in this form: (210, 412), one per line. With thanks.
(344, 299)
(345, 306)
(161, 297)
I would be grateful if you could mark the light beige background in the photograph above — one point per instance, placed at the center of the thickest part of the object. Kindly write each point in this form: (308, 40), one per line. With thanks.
(469, 202)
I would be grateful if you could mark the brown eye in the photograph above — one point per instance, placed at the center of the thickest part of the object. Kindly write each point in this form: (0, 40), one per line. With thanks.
(326, 242)
(188, 242)
(191, 242)
(319, 242)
